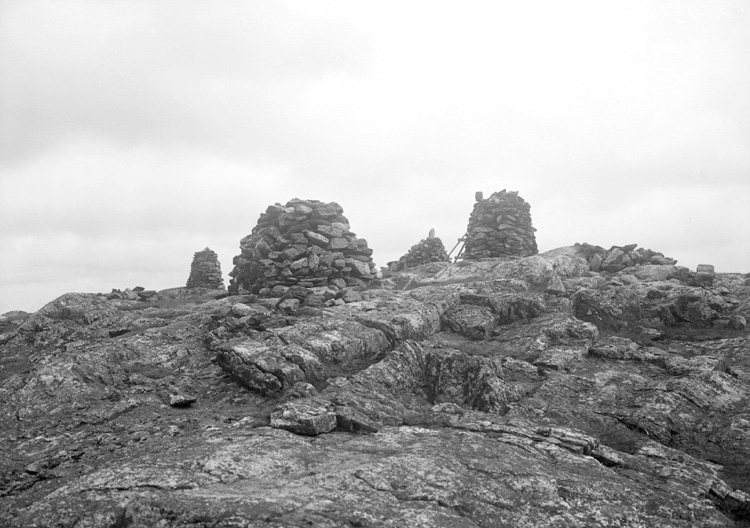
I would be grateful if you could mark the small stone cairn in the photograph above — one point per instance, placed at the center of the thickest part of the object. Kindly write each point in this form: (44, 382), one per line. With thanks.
(205, 271)
(500, 226)
(617, 258)
(430, 249)
(305, 243)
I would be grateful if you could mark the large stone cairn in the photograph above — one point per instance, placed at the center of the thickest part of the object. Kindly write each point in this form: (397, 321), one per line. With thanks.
(500, 226)
(430, 249)
(205, 271)
(304, 243)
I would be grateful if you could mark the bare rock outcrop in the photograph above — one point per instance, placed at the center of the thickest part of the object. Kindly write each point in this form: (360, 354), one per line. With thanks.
(499, 393)
(500, 226)
(205, 271)
(304, 243)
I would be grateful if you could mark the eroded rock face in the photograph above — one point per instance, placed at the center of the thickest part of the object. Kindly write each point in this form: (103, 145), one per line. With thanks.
(500, 226)
(304, 243)
(205, 271)
(486, 396)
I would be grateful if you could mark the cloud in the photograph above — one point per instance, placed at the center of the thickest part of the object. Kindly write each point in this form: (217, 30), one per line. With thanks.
(163, 72)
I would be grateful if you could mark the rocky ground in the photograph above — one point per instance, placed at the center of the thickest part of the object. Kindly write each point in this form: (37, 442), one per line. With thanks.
(506, 392)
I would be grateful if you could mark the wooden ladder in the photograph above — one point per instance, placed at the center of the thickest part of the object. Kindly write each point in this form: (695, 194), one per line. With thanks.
(462, 243)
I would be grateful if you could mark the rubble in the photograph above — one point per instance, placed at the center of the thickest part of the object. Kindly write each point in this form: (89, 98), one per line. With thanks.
(617, 258)
(135, 294)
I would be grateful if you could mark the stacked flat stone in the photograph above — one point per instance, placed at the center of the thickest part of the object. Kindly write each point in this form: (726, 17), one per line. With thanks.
(617, 258)
(430, 249)
(139, 293)
(500, 226)
(303, 243)
(205, 271)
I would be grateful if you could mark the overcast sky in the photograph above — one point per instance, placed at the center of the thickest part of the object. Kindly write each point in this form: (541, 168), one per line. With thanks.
(133, 134)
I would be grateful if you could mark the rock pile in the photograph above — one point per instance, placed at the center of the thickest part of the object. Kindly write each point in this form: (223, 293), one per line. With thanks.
(139, 293)
(617, 258)
(430, 249)
(304, 243)
(498, 226)
(205, 271)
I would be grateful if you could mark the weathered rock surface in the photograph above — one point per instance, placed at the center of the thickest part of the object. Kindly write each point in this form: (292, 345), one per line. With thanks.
(516, 392)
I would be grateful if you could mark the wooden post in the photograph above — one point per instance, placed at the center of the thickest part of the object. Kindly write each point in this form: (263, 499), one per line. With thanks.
(460, 240)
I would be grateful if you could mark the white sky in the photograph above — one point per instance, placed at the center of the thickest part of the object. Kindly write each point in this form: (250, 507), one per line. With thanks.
(133, 134)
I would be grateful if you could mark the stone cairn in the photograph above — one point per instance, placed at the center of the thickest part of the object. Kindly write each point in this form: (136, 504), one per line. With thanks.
(304, 243)
(500, 226)
(205, 271)
(430, 249)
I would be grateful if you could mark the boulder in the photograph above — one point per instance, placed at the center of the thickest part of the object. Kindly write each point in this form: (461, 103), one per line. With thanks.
(737, 322)
(181, 400)
(307, 417)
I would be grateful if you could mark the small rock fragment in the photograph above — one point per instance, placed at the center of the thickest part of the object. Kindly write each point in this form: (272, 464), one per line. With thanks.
(181, 400)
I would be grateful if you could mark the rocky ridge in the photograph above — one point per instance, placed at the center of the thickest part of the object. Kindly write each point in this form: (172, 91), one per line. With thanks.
(522, 391)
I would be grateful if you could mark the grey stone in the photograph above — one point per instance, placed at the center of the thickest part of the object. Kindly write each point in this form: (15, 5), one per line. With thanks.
(289, 306)
(737, 322)
(182, 400)
(306, 417)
